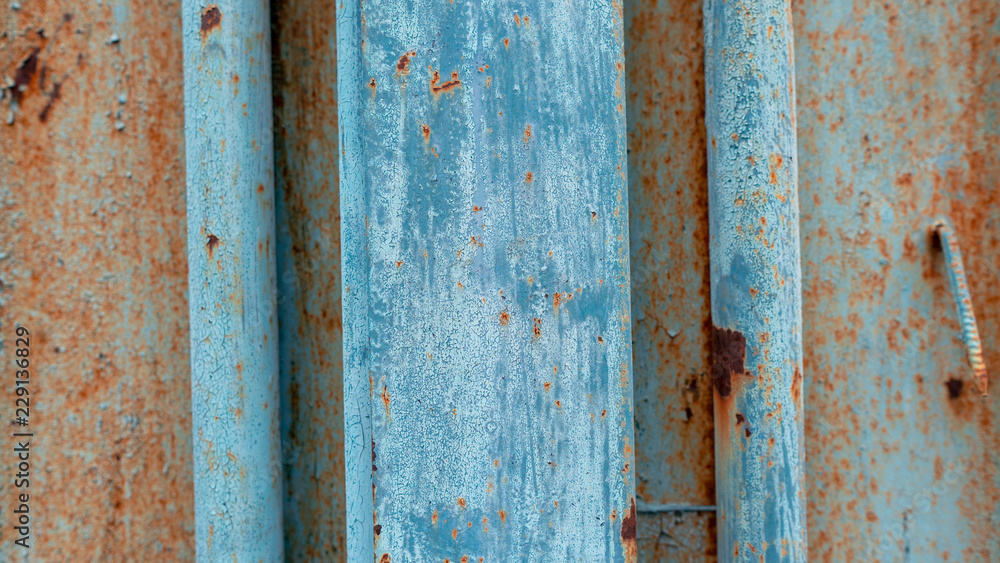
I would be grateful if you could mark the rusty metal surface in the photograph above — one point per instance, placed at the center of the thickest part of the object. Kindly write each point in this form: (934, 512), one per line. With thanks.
(898, 124)
(92, 261)
(668, 190)
(755, 280)
(232, 280)
(495, 188)
(308, 254)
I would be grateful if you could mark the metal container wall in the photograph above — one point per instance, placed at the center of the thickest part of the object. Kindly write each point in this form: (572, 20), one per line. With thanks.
(93, 263)
(898, 123)
(492, 192)
(671, 324)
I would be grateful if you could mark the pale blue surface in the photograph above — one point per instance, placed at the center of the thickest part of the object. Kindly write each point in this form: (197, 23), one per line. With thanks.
(230, 206)
(452, 262)
(756, 277)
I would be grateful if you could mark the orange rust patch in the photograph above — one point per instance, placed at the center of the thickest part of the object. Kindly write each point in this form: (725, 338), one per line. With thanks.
(211, 18)
(537, 328)
(426, 130)
(437, 87)
(503, 516)
(506, 42)
(454, 533)
(528, 177)
(461, 502)
(434, 517)
(504, 318)
(774, 163)
(527, 133)
(403, 66)
(547, 385)
(385, 399)
(385, 558)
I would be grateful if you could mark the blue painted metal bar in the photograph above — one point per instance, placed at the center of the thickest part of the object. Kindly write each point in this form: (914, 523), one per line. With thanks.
(485, 222)
(231, 271)
(359, 447)
(755, 280)
(963, 302)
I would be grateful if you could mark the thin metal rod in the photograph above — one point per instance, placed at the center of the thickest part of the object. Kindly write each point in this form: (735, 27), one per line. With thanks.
(359, 445)
(963, 302)
(756, 295)
(645, 507)
(231, 274)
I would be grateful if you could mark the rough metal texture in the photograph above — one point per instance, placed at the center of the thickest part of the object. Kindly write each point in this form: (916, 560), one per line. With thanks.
(755, 280)
(898, 124)
(231, 273)
(499, 327)
(92, 261)
(359, 452)
(308, 254)
(671, 330)
(963, 303)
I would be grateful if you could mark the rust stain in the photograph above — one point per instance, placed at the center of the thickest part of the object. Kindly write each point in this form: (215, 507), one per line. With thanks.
(528, 177)
(213, 242)
(954, 388)
(403, 66)
(728, 357)
(536, 329)
(437, 87)
(426, 131)
(385, 400)
(503, 516)
(504, 318)
(211, 18)
(527, 133)
(385, 558)
(461, 502)
(629, 542)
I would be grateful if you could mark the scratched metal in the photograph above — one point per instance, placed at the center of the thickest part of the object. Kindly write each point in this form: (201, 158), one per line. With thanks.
(308, 258)
(671, 330)
(755, 280)
(495, 207)
(899, 115)
(232, 281)
(92, 262)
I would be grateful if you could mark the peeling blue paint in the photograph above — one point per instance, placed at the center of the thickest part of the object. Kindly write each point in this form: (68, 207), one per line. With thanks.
(485, 223)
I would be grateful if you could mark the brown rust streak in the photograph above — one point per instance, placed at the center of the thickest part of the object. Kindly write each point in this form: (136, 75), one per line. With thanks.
(629, 543)
(437, 87)
(403, 66)
(211, 19)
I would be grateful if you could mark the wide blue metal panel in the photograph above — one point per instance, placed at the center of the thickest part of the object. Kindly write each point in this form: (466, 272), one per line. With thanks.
(484, 200)
(231, 276)
(899, 123)
(755, 280)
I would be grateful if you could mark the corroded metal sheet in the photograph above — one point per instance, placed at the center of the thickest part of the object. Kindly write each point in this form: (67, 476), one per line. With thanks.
(671, 330)
(898, 124)
(308, 258)
(232, 280)
(92, 262)
(495, 208)
(756, 297)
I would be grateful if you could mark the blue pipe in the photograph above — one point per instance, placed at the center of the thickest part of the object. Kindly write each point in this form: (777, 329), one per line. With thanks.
(359, 447)
(231, 274)
(755, 280)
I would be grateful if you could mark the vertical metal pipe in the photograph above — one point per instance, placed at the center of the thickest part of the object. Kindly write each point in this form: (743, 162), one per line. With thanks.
(359, 447)
(486, 281)
(231, 272)
(755, 280)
